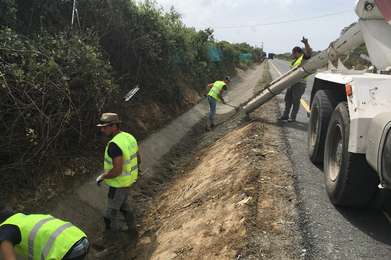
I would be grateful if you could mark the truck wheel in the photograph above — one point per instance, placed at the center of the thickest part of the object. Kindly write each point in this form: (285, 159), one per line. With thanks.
(321, 109)
(349, 179)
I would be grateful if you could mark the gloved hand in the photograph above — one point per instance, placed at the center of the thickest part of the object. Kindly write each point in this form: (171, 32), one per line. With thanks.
(99, 179)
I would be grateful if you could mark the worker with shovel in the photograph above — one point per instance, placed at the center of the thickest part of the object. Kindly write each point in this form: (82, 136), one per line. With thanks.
(216, 90)
(121, 167)
(39, 236)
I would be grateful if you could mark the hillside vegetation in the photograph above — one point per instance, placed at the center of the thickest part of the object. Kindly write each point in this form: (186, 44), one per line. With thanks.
(55, 80)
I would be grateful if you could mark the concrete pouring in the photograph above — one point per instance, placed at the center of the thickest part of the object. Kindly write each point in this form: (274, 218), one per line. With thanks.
(88, 201)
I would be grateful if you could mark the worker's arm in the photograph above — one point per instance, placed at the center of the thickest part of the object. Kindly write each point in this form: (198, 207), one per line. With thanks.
(7, 250)
(307, 48)
(9, 236)
(221, 97)
(208, 87)
(116, 170)
(221, 94)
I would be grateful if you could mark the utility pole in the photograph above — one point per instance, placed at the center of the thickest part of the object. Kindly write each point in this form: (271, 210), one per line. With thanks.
(75, 13)
(263, 54)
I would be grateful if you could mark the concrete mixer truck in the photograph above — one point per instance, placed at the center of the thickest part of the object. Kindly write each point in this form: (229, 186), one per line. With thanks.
(349, 129)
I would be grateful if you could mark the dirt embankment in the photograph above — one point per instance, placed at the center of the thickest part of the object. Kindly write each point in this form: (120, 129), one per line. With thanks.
(232, 198)
(223, 194)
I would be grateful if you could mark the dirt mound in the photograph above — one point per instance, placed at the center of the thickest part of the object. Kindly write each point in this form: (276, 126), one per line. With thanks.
(233, 198)
(218, 195)
(198, 217)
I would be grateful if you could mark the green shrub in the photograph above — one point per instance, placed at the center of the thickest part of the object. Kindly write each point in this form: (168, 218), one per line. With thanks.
(51, 89)
(55, 81)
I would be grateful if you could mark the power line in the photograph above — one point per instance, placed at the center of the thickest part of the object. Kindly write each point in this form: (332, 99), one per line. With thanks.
(283, 22)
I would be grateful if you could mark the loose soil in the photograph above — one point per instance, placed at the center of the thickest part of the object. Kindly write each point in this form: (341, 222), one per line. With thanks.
(224, 194)
(230, 196)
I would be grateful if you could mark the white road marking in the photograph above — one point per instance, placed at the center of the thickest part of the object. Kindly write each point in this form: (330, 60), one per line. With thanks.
(275, 68)
(305, 105)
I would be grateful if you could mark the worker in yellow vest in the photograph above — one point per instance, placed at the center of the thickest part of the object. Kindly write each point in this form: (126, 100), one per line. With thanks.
(215, 95)
(293, 94)
(121, 167)
(39, 237)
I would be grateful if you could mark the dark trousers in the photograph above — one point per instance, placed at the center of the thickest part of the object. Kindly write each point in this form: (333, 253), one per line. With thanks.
(292, 99)
(117, 202)
(212, 110)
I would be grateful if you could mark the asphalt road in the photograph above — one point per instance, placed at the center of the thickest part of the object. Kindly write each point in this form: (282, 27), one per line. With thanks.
(329, 232)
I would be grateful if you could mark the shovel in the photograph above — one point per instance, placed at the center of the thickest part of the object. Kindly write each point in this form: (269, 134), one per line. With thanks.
(235, 107)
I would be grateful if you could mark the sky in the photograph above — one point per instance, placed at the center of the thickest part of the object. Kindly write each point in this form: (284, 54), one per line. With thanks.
(264, 22)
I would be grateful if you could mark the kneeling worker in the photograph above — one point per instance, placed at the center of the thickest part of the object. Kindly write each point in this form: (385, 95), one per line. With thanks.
(40, 237)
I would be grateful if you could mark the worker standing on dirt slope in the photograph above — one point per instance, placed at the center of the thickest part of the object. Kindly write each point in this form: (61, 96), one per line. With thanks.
(215, 95)
(121, 164)
(39, 237)
(294, 93)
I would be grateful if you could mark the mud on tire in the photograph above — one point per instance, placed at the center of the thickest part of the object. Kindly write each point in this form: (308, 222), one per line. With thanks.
(349, 179)
(321, 109)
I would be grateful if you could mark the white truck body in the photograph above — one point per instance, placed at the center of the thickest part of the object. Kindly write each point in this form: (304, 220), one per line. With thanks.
(371, 96)
(350, 122)
(371, 93)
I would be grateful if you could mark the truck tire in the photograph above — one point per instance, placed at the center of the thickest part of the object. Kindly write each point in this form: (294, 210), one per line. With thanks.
(321, 109)
(350, 181)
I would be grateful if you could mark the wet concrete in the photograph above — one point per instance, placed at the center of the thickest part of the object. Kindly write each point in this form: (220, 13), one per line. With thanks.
(86, 204)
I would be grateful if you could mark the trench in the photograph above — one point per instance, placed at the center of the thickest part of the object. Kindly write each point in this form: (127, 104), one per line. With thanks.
(84, 205)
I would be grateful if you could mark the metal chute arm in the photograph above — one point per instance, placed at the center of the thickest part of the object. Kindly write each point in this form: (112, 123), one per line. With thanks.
(350, 40)
(291, 77)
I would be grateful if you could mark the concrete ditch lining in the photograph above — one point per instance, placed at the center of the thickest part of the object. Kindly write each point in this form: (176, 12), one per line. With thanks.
(91, 199)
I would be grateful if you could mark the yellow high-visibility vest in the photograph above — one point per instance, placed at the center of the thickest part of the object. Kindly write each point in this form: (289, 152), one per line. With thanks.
(128, 145)
(43, 236)
(215, 91)
(298, 62)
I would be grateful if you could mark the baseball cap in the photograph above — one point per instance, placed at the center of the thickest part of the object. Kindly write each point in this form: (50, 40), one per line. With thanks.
(108, 119)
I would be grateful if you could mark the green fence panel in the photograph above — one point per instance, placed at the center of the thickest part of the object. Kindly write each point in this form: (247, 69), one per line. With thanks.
(214, 54)
(245, 57)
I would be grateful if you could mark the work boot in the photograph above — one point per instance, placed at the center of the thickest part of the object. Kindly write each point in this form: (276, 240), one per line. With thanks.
(247, 117)
(110, 244)
(98, 244)
(207, 127)
(104, 253)
(101, 247)
(283, 118)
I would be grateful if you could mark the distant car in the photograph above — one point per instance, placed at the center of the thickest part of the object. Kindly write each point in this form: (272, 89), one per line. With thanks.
(270, 56)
